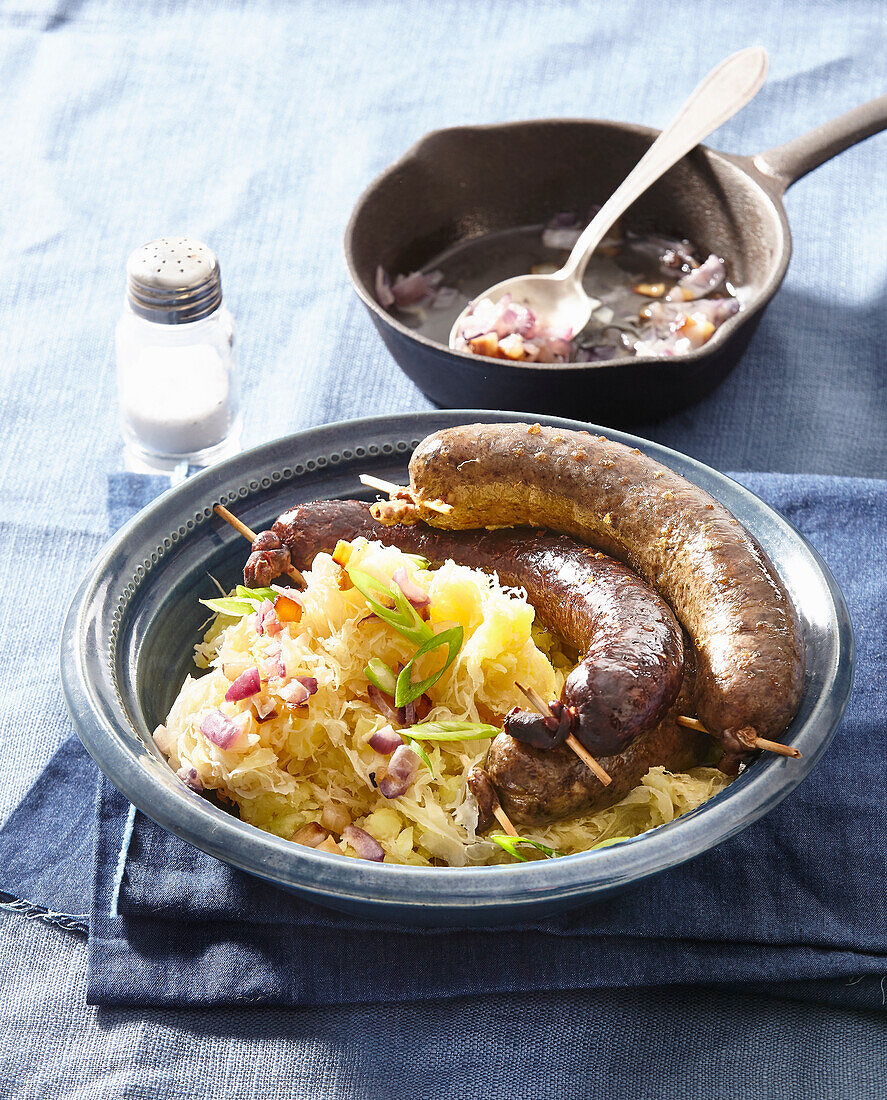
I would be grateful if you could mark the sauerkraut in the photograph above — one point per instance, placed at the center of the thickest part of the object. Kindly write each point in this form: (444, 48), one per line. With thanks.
(287, 766)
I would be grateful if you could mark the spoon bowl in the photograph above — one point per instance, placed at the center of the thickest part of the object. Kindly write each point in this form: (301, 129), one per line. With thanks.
(560, 300)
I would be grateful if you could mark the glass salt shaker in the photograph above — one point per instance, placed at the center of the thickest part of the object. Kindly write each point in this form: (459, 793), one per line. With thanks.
(176, 361)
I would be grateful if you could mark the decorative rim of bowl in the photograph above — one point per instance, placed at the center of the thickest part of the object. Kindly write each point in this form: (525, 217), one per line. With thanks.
(125, 752)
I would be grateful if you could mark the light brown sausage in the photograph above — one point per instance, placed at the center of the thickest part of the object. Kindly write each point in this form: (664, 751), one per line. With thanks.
(687, 545)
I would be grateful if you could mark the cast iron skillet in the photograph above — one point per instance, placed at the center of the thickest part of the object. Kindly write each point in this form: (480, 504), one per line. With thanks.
(462, 182)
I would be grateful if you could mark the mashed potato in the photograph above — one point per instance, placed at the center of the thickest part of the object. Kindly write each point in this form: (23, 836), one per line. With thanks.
(294, 765)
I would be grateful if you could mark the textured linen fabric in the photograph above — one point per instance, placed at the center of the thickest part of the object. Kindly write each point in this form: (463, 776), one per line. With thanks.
(766, 906)
(255, 126)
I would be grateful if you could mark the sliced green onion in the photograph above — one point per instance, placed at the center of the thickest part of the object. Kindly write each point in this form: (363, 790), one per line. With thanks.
(418, 561)
(607, 843)
(381, 676)
(256, 593)
(510, 843)
(230, 606)
(451, 731)
(403, 617)
(419, 750)
(407, 691)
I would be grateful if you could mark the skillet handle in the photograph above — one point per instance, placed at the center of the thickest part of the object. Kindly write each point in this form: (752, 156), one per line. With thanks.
(784, 164)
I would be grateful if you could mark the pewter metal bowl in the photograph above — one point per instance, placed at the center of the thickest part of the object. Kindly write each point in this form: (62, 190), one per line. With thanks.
(128, 639)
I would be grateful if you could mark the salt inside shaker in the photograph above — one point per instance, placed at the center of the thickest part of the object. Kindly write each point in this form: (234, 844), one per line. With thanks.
(176, 361)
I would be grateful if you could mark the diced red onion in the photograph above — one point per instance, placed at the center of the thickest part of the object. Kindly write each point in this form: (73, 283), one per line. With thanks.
(417, 596)
(386, 740)
(717, 310)
(409, 289)
(270, 667)
(563, 231)
(706, 279)
(383, 288)
(505, 319)
(262, 612)
(384, 704)
(445, 297)
(298, 691)
(190, 778)
(289, 592)
(267, 621)
(367, 847)
(562, 237)
(402, 769)
(247, 683)
(266, 717)
(219, 729)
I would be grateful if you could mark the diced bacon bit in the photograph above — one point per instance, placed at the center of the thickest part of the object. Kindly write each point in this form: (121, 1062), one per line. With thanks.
(512, 347)
(367, 847)
(287, 610)
(335, 818)
(267, 717)
(342, 553)
(221, 730)
(697, 329)
(311, 835)
(247, 683)
(298, 691)
(485, 344)
(343, 581)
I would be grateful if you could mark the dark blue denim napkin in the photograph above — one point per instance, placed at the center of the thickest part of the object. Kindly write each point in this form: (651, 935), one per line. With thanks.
(798, 900)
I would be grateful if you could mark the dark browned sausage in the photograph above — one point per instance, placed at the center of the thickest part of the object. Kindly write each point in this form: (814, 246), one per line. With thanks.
(632, 647)
(681, 540)
(536, 787)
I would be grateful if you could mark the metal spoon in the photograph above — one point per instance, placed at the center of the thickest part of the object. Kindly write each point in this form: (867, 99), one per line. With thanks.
(559, 300)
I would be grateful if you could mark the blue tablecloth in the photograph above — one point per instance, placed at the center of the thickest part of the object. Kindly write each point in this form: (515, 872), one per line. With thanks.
(254, 127)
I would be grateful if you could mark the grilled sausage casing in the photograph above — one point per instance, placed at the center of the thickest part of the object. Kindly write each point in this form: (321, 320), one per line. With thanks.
(535, 788)
(632, 646)
(681, 540)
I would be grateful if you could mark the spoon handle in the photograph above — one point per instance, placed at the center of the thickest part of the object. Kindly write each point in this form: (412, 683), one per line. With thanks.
(726, 89)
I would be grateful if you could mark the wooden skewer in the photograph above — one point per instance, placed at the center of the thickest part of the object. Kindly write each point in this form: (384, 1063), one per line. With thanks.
(574, 743)
(228, 517)
(500, 815)
(503, 819)
(585, 756)
(760, 742)
(393, 490)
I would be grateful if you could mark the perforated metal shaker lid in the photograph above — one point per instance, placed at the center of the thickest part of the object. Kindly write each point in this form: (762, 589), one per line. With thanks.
(173, 280)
